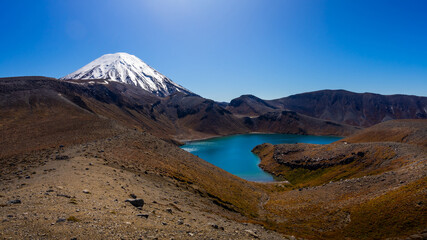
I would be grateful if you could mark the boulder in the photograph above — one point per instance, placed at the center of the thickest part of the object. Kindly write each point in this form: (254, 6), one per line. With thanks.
(138, 202)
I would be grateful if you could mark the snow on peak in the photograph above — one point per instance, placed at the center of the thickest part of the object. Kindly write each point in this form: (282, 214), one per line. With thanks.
(127, 68)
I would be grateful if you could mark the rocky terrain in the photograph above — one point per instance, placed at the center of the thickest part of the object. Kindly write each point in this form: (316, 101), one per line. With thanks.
(79, 192)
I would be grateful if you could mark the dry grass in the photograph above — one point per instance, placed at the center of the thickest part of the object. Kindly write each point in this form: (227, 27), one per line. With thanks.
(73, 219)
(377, 159)
(395, 214)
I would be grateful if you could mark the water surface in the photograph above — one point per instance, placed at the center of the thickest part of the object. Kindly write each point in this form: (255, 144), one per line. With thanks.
(233, 153)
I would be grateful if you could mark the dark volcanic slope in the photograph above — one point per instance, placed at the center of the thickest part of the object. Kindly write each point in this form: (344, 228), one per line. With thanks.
(289, 122)
(27, 99)
(178, 116)
(358, 109)
(44, 112)
(194, 115)
(249, 105)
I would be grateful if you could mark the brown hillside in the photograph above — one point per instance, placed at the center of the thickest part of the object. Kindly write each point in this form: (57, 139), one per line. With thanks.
(354, 187)
(289, 122)
(249, 105)
(403, 131)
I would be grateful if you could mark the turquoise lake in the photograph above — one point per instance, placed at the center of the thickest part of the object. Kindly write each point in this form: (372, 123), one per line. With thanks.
(233, 153)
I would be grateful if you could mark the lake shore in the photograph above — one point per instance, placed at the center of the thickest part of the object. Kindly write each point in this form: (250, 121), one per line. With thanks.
(233, 153)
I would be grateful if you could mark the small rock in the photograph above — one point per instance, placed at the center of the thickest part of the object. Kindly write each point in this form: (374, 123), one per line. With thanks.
(214, 226)
(86, 191)
(16, 201)
(61, 220)
(252, 233)
(180, 222)
(164, 224)
(139, 203)
(63, 157)
(142, 215)
(27, 177)
(169, 210)
(63, 195)
(132, 196)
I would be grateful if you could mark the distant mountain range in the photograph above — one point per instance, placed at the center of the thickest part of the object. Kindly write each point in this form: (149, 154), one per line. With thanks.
(357, 109)
(178, 116)
(121, 88)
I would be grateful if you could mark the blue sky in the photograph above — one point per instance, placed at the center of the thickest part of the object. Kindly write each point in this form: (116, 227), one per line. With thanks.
(222, 49)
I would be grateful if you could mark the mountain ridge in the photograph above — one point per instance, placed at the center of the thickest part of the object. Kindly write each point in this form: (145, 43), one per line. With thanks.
(342, 106)
(176, 117)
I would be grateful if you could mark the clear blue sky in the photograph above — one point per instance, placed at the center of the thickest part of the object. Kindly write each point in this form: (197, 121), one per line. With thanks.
(222, 49)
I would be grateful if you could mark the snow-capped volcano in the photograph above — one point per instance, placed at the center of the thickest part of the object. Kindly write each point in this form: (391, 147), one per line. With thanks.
(126, 68)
